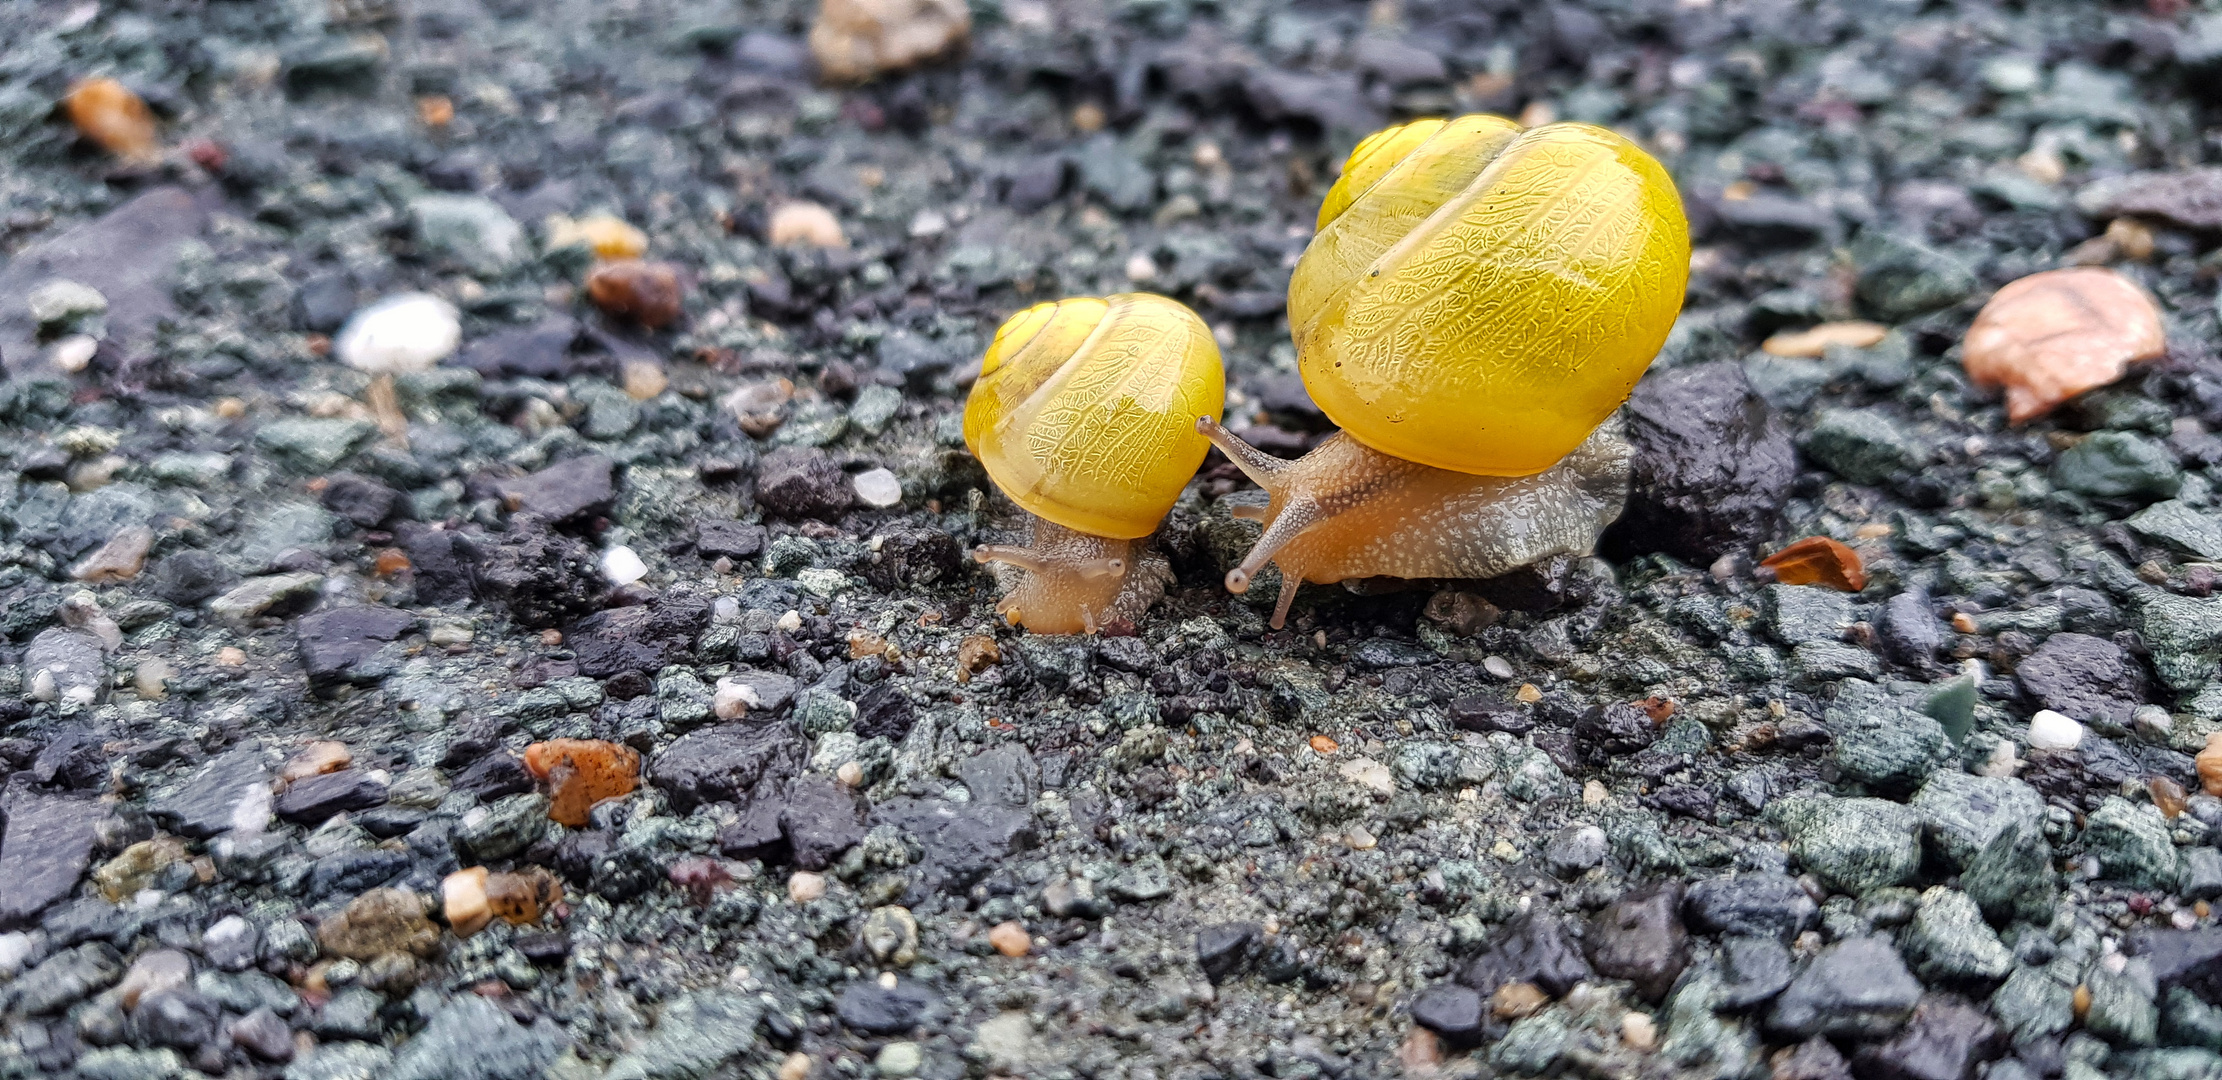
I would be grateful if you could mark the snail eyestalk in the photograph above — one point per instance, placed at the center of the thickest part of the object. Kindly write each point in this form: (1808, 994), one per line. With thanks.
(1070, 582)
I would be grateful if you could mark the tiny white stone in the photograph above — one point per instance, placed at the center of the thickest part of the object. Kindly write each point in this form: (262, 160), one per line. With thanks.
(929, 223)
(73, 353)
(622, 567)
(400, 334)
(878, 488)
(1140, 268)
(790, 622)
(15, 949)
(727, 608)
(1498, 667)
(2049, 730)
(732, 699)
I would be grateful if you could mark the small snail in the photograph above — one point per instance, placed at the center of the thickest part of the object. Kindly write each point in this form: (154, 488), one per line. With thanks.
(1084, 415)
(1478, 300)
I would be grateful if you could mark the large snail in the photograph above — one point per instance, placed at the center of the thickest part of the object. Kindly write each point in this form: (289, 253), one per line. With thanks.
(1478, 300)
(1084, 414)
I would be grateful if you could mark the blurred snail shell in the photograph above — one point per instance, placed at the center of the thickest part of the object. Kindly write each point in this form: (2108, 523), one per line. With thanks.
(1478, 300)
(1084, 415)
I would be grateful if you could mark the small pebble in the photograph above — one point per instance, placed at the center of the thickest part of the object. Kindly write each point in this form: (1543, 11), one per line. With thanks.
(1528, 694)
(2049, 730)
(733, 699)
(622, 567)
(581, 773)
(1497, 666)
(2209, 762)
(74, 353)
(850, 774)
(878, 488)
(113, 118)
(1640, 1032)
(791, 621)
(120, 559)
(162, 969)
(649, 293)
(806, 224)
(607, 235)
(231, 656)
(1814, 343)
(1140, 268)
(804, 886)
(1515, 1000)
(645, 380)
(463, 900)
(796, 1066)
(975, 654)
(2055, 334)
(1818, 560)
(403, 333)
(1323, 745)
(1359, 838)
(899, 1059)
(151, 678)
(1010, 939)
(316, 759)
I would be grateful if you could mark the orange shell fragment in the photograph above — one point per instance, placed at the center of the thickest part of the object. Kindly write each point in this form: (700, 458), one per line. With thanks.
(2052, 335)
(582, 772)
(1818, 560)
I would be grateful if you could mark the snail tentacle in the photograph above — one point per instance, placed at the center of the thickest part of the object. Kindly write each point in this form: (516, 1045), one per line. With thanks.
(1256, 464)
(1023, 558)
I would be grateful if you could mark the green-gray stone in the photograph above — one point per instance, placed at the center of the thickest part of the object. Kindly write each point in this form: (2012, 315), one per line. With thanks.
(313, 443)
(682, 701)
(1899, 276)
(283, 527)
(1949, 940)
(1531, 1046)
(2120, 1012)
(470, 230)
(695, 1036)
(510, 825)
(611, 413)
(1861, 446)
(2117, 464)
(1145, 880)
(1108, 171)
(125, 1063)
(186, 469)
(2132, 844)
(875, 406)
(819, 712)
(2169, 1063)
(2177, 525)
(471, 1038)
(1828, 661)
(2011, 877)
(2184, 634)
(1962, 813)
(2187, 1021)
(1804, 613)
(257, 595)
(1952, 704)
(1852, 845)
(2032, 1003)
(1880, 743)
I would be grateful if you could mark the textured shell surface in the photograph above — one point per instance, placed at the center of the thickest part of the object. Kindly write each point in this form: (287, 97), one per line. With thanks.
(1479, 297)
(1085, 409)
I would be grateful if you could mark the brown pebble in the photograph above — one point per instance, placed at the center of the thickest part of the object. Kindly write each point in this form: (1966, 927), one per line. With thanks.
(854, 40)
(1818, 560)
(1422, 1051)
(648, 293)
(2167, 795)
(380, 921)
(317, 758)
(390, 561)
(975, 654)
(644, 379)
(2209, 762)
(1515, 1000)
(1324, 745)
(581, 773)
(2082, 1002)
(519, 898)
(110, 116)
(1010, 939)
(436, 110)
(120, 559)
(2052, 335)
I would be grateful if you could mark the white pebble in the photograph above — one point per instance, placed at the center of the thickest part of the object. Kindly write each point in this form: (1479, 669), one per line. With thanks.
(733, 699)
(929, 223)
(73, 353)
(878, 488)
(790, 622)
(2049, 730)
(1140, 268)
(1498, 667)
(622, 567)
(15, 949)
(805, 886)
(400, 334)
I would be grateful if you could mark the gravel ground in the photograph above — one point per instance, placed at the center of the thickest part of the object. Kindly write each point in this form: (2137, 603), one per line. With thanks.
(1646, 814)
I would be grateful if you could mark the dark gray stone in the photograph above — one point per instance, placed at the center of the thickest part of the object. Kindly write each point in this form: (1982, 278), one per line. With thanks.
(1772, 905)
(1856, 988)
(344, 645)
(567, 490)
(48, 843)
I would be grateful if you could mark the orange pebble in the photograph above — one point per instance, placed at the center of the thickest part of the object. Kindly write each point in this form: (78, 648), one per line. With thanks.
(1010, 939)
(1818, 560)
(519, 898)
(107, 113)
(1321, 744)
(582, 772)
(2209, 762)
(323, 756)
(648, 293)
(390, 561)
(2167, 796)
(2050, 336)
(975, 654)
(436, 110)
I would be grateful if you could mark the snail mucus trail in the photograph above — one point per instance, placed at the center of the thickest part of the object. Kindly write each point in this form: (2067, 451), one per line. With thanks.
(1477, 303)
(1083, 415)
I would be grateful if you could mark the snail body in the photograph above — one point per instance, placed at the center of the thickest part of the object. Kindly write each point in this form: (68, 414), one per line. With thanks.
(1084, 415)
(1478, 300)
